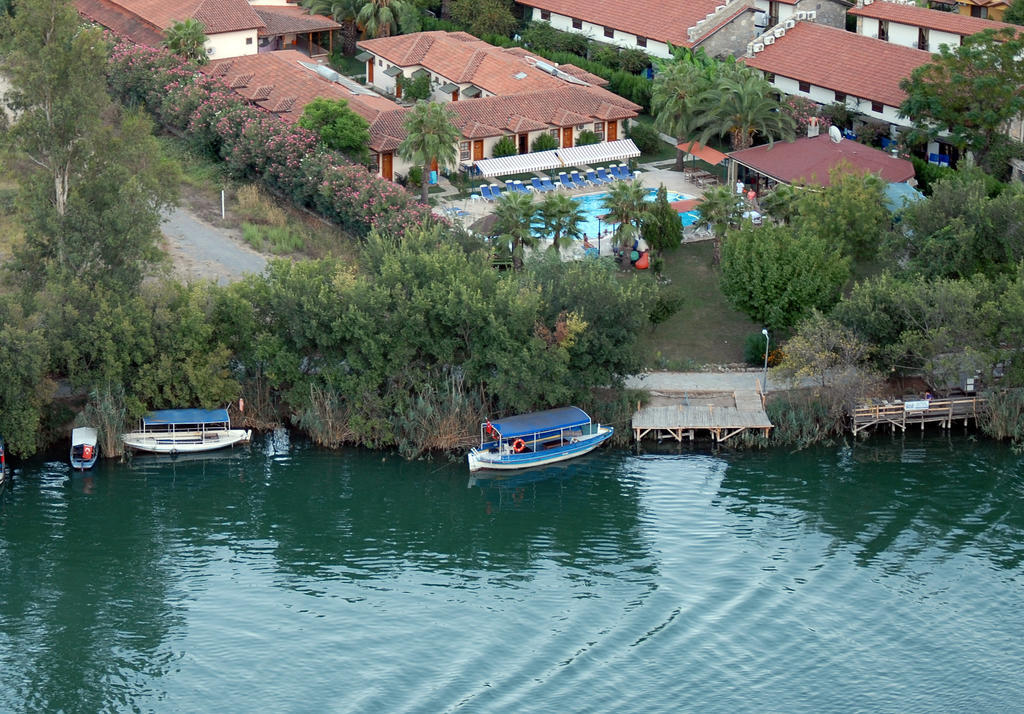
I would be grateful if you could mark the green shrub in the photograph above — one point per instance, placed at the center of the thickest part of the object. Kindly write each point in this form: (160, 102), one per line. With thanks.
(506, 146)
(544, 142)
(586, 137)
(666, 304)
(415, 88)
(753, 349)
(279, 240)
(7, 198)
(645, 137)
(927, 174)
(415, 177)
(634, 61)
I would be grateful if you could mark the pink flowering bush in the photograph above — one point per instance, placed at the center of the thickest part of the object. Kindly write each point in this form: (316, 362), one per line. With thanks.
(257, 145)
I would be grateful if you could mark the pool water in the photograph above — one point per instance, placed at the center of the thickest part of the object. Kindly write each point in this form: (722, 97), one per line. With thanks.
(593, 206)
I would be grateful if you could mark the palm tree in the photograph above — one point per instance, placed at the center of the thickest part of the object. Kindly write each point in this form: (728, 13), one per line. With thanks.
(625, 205)
(745, 105)
(380, 18)
(515, 213)
(431, 137)
(680, 97)
(187, 39)
(561, 217)
(342, 11)
(721, 210)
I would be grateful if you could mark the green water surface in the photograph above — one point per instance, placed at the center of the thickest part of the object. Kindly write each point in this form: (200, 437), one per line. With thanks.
(284, 578)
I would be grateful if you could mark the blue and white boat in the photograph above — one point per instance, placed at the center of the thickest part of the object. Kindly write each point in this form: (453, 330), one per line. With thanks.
(537, 439)
(182, 431)
(84, 449)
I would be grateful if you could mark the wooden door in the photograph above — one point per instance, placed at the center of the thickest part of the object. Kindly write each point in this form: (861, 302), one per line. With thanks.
(398, 87)
(567, 137)
(369, 70)
(524, 143)
(613, 131)
(433, 164)
(455, 96)
(385, 165)
(478, 150)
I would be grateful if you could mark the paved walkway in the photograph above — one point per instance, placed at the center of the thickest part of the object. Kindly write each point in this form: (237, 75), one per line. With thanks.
(201, 251)
(740, 381)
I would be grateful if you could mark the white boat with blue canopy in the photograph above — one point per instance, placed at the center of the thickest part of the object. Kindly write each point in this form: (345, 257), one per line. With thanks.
(537, 439)
(181, 431)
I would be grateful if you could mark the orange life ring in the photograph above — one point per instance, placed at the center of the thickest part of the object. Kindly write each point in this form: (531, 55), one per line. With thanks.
(518, 445)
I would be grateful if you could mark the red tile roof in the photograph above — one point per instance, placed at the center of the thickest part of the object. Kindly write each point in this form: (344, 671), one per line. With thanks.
(278, 82)
(951, 22)
(125, 24)
(811, 159)
(217, 16)
(835, 59)
(463, 58)
(655, 19)
(286, 19)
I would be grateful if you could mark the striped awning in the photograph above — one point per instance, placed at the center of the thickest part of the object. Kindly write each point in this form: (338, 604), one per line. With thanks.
(559, 158)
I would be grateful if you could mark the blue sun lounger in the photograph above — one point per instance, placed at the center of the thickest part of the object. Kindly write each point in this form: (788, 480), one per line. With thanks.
(603, 174)
(565, 180)
(546, 183)
(538, 186)
(577, 179)
(594, 178)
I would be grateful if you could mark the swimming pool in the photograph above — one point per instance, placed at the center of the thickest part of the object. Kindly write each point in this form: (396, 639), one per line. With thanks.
(592, 208)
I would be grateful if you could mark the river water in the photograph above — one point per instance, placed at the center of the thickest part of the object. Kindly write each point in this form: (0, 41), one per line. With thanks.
(280, 577)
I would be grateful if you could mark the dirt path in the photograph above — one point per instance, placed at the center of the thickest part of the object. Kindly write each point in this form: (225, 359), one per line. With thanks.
(201, 251)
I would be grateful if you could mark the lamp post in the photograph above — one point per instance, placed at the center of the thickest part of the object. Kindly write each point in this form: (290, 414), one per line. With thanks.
(764, 373)
(599, 236)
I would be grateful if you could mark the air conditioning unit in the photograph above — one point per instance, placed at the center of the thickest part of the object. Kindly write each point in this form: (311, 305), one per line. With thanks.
(779, 31)
(801, 15)
(758, 47)
(812, 14)
(769, 40)
(790, 24)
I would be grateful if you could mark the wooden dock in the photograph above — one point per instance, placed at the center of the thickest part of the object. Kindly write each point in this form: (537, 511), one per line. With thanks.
(678, 416)
(898, 414)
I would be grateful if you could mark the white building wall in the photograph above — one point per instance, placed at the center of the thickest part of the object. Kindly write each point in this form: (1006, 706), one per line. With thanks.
(905, 35)
(596, 32)
(824, 96)
(232, 44)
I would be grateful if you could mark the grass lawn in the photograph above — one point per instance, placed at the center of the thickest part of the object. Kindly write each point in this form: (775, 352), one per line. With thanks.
(706, 329)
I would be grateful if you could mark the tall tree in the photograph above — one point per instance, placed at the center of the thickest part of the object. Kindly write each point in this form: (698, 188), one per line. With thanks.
(1015, 13)
(431, 136)
(970, 91)
(721, 210)
(484, 17)
(561, 217)
(777, 276)
(679, 97)
(745, 105)
(625, 206)
(662, 227)
(344, 12)
(515, 213)
(58, 90)
(339, 127)
(851, 210)
(381, 18)
(187, 38)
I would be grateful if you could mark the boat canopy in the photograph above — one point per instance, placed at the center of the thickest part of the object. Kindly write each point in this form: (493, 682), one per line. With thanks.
(83, 435)
(186, 416)
(550, 420)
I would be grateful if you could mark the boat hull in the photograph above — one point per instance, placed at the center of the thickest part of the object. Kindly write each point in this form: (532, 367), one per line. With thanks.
(185, 442)
(83, 441)
(487, 460)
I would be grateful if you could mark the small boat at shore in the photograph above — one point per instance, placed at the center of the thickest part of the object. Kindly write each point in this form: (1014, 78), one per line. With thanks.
(84, 449)
(536, 439)
(182, 431)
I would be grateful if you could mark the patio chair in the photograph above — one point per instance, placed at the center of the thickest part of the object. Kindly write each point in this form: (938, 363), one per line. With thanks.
(546, 183)
(510, 187)
(538, 186)
(566, 182)
(593, 178)
(521, 187)
(622, 172)
(575, 177)
(485, 192)
(603, 174)
(497, 190)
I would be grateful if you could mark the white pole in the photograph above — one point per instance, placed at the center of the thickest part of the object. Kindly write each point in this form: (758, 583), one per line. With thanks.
(222, 204)
(764, 373)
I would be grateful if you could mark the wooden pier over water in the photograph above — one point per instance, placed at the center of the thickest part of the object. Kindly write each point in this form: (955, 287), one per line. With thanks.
(898, 414)
(680, 415)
